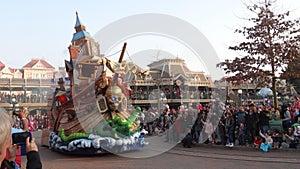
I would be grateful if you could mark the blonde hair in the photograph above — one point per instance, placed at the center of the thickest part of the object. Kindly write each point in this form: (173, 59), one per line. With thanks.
(5, 126)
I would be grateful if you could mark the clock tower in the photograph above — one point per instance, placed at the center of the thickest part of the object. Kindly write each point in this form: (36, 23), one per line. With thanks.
(82, 43)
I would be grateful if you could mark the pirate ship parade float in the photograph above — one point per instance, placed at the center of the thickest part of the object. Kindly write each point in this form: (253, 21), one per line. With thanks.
(92, 115)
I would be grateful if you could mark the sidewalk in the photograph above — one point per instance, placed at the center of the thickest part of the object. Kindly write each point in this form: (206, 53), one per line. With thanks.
(239, 153)
(236, 146)
(245, 148)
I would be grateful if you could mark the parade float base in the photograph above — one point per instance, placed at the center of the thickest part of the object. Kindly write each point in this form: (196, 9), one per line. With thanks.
(95, 144)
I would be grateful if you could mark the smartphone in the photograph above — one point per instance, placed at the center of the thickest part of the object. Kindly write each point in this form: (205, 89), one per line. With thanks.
(20, 139)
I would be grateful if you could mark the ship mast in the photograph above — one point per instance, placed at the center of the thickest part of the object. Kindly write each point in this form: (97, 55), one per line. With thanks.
(116, 75)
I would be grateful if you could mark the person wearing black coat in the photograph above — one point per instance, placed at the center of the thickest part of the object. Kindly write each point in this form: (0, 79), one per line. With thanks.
(187, 140)
(33, 160)
(251, 120)
(229, 128)
(264, 117)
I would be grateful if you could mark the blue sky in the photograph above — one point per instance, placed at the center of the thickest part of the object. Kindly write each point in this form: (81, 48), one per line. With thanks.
(44, 29)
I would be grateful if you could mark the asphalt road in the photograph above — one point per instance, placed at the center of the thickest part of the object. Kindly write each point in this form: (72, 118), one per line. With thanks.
(198, 157)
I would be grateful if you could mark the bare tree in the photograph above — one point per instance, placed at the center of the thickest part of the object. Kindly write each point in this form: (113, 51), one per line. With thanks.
(271, 43)
(292, 75)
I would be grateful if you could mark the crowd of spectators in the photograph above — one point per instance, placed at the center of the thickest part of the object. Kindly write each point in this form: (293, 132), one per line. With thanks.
(35, 122)
(21, 98)
(175, 92)
(248, 125)
(170, 93)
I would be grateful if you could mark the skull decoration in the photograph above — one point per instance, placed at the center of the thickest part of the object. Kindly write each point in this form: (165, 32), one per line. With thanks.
(116, 98)
(120, 68)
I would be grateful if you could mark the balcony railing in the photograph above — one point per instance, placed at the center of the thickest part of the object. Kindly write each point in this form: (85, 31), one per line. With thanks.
(16, 82)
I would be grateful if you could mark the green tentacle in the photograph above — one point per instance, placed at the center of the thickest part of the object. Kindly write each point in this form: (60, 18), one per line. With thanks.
(71, 137)
(118, 127)
(134, 115)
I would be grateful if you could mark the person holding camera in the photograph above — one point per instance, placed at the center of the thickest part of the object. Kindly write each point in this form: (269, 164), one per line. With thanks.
(13, 149)
(33, 157)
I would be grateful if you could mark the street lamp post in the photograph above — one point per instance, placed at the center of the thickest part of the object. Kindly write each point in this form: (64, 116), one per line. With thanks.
(240, 92)
(14, 104)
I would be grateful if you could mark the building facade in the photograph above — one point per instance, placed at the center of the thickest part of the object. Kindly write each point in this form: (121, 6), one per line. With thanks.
(5, 71)
(171, 81)
(38, 69)
(34, 69)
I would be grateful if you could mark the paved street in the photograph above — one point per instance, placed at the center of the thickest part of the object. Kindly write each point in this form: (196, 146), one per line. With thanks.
(201, 156)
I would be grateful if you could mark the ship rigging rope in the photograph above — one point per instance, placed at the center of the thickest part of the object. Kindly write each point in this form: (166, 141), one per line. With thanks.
(113, 54)
(119, 52)
(128, 56)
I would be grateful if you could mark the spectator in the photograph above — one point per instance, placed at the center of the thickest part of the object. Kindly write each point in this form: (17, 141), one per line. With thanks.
(179, 127)
(167, 119)
(276, 136)
(241, 114)
(297, 131)
(251, 124)
(274, 114)
(187, 140)
(198, 126)
(242, 134)
(289, 140)
(287, 119)
(296, 127)
(24, 127)
(33, 158)
(229, 126)
(264, 116)
(222, 132)
(268, 143)
(257, 141)
(208, 126)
